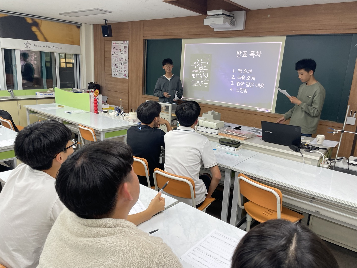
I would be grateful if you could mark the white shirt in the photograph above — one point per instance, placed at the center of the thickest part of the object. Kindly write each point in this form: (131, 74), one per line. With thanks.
(185, 152)
(29, 206)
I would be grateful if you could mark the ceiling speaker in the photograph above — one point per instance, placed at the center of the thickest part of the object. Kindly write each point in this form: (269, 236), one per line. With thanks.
(107, 30)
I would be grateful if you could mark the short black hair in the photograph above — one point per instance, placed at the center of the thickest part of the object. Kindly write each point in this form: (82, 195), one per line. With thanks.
(187, 113)
(24, 55)
(37, 144)
(167, 61)
(147, 111)
(282, 244)
(88, 181)
(306, 64)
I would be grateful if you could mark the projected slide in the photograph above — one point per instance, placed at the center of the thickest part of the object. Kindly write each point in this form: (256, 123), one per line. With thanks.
(243, 75)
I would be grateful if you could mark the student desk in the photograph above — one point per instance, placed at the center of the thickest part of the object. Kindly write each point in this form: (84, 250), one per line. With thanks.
(182, 226)
(7, 139)
(4, 176)
(147, 194)
(105, 126)
(328, 196)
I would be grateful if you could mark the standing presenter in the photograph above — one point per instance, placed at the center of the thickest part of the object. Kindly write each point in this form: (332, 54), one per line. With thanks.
(168, 87)
(309, 101)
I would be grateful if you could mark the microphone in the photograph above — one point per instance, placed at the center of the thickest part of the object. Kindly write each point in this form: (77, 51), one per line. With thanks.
(294, 148)
(297, 149)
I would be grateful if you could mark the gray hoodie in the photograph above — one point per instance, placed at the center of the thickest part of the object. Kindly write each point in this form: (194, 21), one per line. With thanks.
(171, 86)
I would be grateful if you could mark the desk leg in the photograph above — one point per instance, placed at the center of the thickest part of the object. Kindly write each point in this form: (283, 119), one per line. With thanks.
(226, 193)
(236, 211)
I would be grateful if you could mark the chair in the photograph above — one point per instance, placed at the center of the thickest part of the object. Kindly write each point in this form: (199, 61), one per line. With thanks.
(265, 202)
(179, 186)
(140, 167)
(86, 133)
(8, 124)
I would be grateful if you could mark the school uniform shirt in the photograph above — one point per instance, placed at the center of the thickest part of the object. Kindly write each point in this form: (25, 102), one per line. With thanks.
(185, 153)
(29, 206)
(146, 142)
(75, 242)
(307, 114)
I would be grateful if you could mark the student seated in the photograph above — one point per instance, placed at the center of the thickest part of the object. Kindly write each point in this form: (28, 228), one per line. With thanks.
(282, 244)
(99, 188)
(146, 139)
(29, 204)
(185, 150)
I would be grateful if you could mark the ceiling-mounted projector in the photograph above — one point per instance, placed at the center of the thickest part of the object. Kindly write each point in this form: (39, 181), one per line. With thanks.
(221, 20)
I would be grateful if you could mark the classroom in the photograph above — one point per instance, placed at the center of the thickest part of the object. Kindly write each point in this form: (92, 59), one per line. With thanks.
(54, 57)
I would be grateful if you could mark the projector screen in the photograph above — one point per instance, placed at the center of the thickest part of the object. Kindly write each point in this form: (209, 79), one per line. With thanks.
(234, 72)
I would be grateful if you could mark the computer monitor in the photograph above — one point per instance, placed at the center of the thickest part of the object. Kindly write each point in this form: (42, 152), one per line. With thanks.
(281, 134)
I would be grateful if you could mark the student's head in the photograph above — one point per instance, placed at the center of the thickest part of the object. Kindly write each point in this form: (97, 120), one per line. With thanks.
(282, 244)
(305, 69)
(94, 178)
(167, 65)
(187, 113)
(24, 56)
(148, 112)
(43, 144)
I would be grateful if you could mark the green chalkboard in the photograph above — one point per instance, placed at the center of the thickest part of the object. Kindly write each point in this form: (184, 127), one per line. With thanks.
(335, 56)
(156, 51)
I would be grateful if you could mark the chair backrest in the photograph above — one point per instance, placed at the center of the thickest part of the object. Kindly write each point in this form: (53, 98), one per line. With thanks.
(260, 194)
(87, 133)
(179, 186)
(141, 168)
(7, 123)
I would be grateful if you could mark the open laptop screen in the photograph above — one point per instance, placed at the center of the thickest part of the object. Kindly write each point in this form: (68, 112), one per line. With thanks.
(281, 134)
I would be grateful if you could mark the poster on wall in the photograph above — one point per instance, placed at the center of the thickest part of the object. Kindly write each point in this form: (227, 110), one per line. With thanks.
(120, 59)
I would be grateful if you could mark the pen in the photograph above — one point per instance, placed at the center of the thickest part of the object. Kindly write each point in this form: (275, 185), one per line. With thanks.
(154, 231)
(163, 187)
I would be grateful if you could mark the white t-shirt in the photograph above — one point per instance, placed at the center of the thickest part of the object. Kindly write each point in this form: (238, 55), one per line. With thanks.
(29, 206)
(185, 153)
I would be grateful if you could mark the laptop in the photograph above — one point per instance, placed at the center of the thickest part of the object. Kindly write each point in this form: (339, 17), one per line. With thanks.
(281, 134)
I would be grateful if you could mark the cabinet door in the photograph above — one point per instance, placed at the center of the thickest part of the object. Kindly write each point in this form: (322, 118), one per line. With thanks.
(22, 112)
(45, 101)
(11, 107)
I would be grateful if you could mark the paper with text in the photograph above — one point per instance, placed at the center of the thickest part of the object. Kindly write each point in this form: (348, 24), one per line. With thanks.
(284, 92)
(137, 208)
(215, 250)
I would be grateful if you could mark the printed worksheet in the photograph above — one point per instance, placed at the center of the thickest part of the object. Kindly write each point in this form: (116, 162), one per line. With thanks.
(215, 250)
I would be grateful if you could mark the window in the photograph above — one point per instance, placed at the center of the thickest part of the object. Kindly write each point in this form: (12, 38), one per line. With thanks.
(10, 68)
(27, 69)
(67, 70)
(49, 69)
(31, 71)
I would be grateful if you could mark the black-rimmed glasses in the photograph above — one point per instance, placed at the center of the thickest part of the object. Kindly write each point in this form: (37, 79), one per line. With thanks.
(73, 145)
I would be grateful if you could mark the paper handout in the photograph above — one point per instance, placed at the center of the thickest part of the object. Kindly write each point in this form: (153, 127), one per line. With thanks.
(284, 92)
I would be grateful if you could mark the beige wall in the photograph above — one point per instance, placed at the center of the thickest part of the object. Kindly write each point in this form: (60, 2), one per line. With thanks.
(315, 19)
